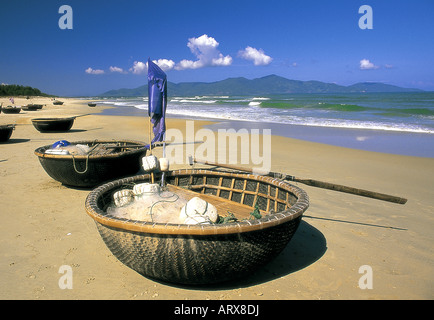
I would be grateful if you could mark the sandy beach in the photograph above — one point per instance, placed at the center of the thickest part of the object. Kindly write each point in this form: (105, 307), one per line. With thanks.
(44, 223)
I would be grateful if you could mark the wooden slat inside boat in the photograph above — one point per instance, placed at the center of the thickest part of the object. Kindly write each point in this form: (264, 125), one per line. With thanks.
(223, 205)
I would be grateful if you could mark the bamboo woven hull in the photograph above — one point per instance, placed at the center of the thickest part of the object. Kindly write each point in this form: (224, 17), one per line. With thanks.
(31, 107)
(197, 259)
(11, 110)
(53, 125)
(202, 254)
(6, 132)
(82, 171)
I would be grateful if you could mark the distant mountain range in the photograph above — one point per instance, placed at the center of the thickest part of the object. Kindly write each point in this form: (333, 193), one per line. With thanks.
(271, 84)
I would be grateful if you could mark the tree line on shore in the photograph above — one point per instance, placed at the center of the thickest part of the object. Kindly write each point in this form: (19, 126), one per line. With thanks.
(18, 90)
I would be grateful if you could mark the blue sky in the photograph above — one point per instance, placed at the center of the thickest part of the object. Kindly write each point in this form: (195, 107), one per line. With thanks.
(110, 42)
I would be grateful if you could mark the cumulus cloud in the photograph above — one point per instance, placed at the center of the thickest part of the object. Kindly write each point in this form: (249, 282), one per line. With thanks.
(164, 64)
(207, 54)
(116, 69)
(94, 71)
(139, 67)
(365, 64)
(258, 57)
(205, 49)
(142, 67)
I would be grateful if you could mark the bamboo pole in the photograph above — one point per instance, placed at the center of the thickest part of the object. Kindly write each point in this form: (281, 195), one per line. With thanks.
(316, 183)
(150, 137)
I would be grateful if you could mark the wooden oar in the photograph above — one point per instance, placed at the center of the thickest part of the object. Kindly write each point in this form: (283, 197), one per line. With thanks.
(315, 183)
(158, 144)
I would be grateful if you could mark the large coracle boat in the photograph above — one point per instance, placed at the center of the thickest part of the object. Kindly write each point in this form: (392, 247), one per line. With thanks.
(258, 217)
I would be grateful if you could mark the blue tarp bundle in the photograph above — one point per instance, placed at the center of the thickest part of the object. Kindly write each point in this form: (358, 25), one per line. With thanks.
(157, 100)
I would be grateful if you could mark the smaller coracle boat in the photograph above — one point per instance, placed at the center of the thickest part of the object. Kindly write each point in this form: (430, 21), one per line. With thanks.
(32, 107)
(6, 132)
(53, 124)
(91, 104)
(57, 102)
(204, 252)
(90, 163)
(11, 109)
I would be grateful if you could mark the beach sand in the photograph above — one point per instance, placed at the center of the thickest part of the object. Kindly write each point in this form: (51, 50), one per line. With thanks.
(44, 224)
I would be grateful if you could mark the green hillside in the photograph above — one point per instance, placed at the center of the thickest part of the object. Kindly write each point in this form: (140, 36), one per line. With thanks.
(271, 84)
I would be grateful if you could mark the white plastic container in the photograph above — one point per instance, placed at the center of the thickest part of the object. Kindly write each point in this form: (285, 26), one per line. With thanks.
(144, 189)
(123, 197)
(150, 163)
(198, 207)
(164, 164)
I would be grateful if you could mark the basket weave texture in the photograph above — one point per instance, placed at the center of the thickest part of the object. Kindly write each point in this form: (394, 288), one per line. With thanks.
(202, 254)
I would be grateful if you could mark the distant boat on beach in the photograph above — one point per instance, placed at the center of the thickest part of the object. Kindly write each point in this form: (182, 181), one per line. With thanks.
(6, 132)
(53, 124)
(31, 107)
(57, 102)
(11, 109)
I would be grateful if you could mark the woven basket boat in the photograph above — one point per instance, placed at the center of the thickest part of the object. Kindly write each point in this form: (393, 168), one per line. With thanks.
(57, 102)
(203, 254)
(6, 132)
(31, 107)
(93, 169)
(11, 109)
(53, 124)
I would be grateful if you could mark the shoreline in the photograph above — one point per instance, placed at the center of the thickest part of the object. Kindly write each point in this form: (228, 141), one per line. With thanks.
(45, 225)
(391, 142)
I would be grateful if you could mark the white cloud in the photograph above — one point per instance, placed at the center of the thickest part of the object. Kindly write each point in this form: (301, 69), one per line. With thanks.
(142, 67)
(188, 64)
(164, 64)
(365, 64)
(116, 69)
(139, 67)
(258, 57)
(92, 71)
(206, 52)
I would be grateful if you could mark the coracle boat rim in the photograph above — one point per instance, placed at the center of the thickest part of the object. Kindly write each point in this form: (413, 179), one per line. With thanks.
(53, 119)
(270, 220)
(7, 126)
(40, 152)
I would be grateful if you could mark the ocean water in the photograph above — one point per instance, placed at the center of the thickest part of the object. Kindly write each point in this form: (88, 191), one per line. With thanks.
(330, 118)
